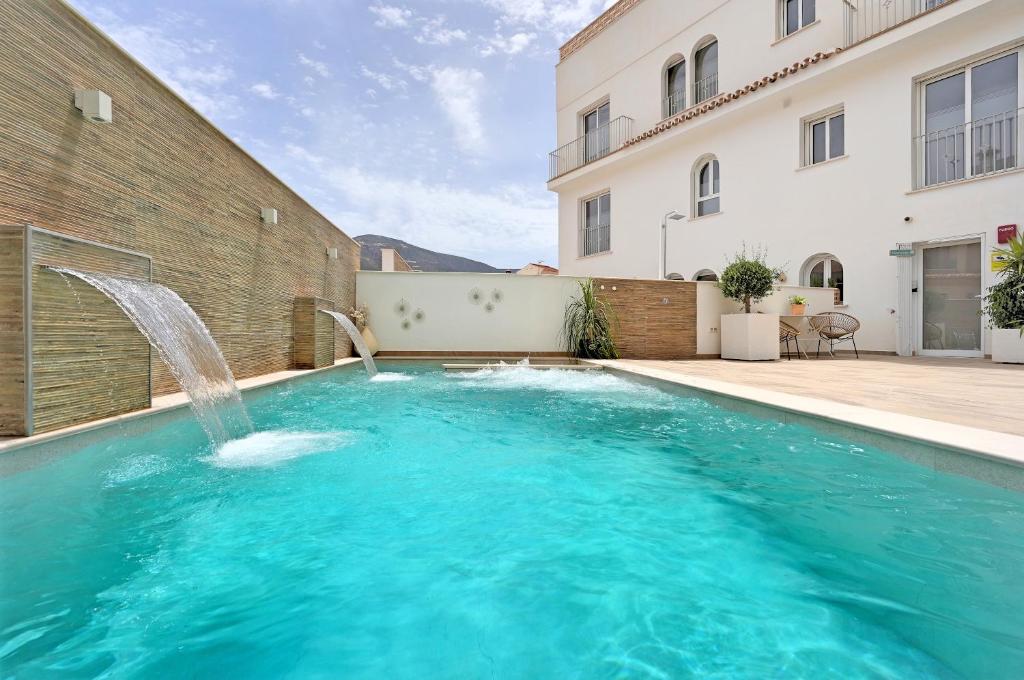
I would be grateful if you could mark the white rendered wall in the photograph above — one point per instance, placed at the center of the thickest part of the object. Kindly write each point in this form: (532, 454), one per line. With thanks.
(711, 305)
(527, 318)
(853, 207)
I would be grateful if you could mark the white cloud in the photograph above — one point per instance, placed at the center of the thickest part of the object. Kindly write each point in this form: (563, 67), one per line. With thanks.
(562, 18)
(386, 81)
(458, 91)
(265, 90)
(389, 16)
(193, 68)
(513, 44)
(509, 219)
(317, 66)
(435, 32)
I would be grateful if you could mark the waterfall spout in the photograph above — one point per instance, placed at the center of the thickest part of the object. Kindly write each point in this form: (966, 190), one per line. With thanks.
(357, 340)
(185, 345)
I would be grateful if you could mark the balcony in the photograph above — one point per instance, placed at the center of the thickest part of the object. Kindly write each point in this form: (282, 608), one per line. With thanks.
(866, 18)
(673, 104)
(980, 148)
(592, 146)
(705, 88)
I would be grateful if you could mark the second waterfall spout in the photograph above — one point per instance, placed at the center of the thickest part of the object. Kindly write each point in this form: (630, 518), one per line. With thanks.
(357, 340)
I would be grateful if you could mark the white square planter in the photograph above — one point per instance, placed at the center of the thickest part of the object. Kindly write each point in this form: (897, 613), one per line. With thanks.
(750, 337)
(1007, 346)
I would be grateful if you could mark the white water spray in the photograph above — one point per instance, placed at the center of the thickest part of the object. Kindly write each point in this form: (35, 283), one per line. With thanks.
(185, 345)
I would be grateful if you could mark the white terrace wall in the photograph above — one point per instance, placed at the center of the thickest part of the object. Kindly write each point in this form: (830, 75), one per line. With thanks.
(481, 313)
(420, 312)
(711, 305)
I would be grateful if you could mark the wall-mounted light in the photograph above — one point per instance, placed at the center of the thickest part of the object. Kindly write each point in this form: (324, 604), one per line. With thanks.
(268, 215)
(94, 105)
(332, 253)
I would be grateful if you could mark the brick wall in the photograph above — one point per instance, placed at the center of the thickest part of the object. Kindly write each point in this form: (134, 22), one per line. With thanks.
(160, 180)
(654, 319)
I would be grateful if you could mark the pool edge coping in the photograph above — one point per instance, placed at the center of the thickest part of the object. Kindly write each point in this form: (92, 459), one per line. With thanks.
(168, 403)
(990, 445)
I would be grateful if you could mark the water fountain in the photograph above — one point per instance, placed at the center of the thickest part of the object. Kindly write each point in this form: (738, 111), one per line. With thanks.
(185, 345)
(357, 340)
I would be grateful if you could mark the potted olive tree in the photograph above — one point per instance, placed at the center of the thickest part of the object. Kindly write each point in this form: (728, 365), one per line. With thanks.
(746, 336)
(1004, 305)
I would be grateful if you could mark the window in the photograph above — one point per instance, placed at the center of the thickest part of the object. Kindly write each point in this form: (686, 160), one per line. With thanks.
(971, 122)
(794, 15)
(824, 271)
(675, 88)
(705, 275)
(707, 184)
(825, 137)
(705, 75)
(596, 225)
(595, 131)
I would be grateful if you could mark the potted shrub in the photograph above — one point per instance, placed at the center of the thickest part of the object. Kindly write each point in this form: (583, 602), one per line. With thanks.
(361, 318)
(797, 305)
(587, 328)
(1004, 305)
(746, 336)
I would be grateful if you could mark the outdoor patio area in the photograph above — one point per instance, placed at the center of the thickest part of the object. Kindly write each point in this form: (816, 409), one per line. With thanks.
(971, 392)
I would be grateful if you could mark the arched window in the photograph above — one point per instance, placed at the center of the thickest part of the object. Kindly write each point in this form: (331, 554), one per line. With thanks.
(705, 69)
(706, 187)
(674, 83)
(705, 275)
(824, 271)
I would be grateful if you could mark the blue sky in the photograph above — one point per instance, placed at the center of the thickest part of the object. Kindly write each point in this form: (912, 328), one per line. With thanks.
(428, 120)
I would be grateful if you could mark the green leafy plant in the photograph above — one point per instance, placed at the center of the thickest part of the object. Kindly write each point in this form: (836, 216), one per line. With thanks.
(587, 329)
(1004, 303)
(747, 279)
(797, 300)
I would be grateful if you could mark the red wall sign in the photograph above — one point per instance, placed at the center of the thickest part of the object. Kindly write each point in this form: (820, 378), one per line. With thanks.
(1006, 232)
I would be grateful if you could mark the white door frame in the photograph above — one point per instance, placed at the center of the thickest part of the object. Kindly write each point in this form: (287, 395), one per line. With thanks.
(919, 249)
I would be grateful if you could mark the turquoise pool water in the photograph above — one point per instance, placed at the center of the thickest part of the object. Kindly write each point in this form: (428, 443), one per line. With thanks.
(504, 525)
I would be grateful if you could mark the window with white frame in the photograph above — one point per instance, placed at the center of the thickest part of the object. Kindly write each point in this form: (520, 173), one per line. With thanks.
(705, 70)
(824, 271)
(596, 225)
(824, 137)
(707, 187)
(597, 142)
(970, 123)
(675, 88)
(794, 15)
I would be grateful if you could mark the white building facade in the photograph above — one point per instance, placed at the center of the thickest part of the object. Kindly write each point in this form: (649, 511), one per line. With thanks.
(873, 146)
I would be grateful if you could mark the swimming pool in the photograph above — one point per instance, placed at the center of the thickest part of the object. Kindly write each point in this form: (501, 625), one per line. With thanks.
(511, 524)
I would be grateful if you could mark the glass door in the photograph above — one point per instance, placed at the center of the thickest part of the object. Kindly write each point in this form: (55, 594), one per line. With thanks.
(950, 299)
(595, 130)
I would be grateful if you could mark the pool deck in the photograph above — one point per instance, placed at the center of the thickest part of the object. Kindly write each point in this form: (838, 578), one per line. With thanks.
(971, 405)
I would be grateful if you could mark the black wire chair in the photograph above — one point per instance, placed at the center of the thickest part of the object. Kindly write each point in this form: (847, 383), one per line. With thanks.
(835, 328)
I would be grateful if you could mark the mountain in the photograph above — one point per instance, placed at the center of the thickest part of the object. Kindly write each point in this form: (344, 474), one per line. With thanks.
(418, 258)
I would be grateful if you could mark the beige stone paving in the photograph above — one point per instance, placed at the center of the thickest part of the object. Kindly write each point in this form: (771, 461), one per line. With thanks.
(972, 392)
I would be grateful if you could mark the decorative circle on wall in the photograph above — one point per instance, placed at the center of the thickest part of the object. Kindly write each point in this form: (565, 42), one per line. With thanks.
(406, 324)
(489, 307)
(402, 307)
(497, 295)
(476, 296)
(419, 315)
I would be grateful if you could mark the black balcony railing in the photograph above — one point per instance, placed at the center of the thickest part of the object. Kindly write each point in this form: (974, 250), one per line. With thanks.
(592, 146)
(865, 18)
